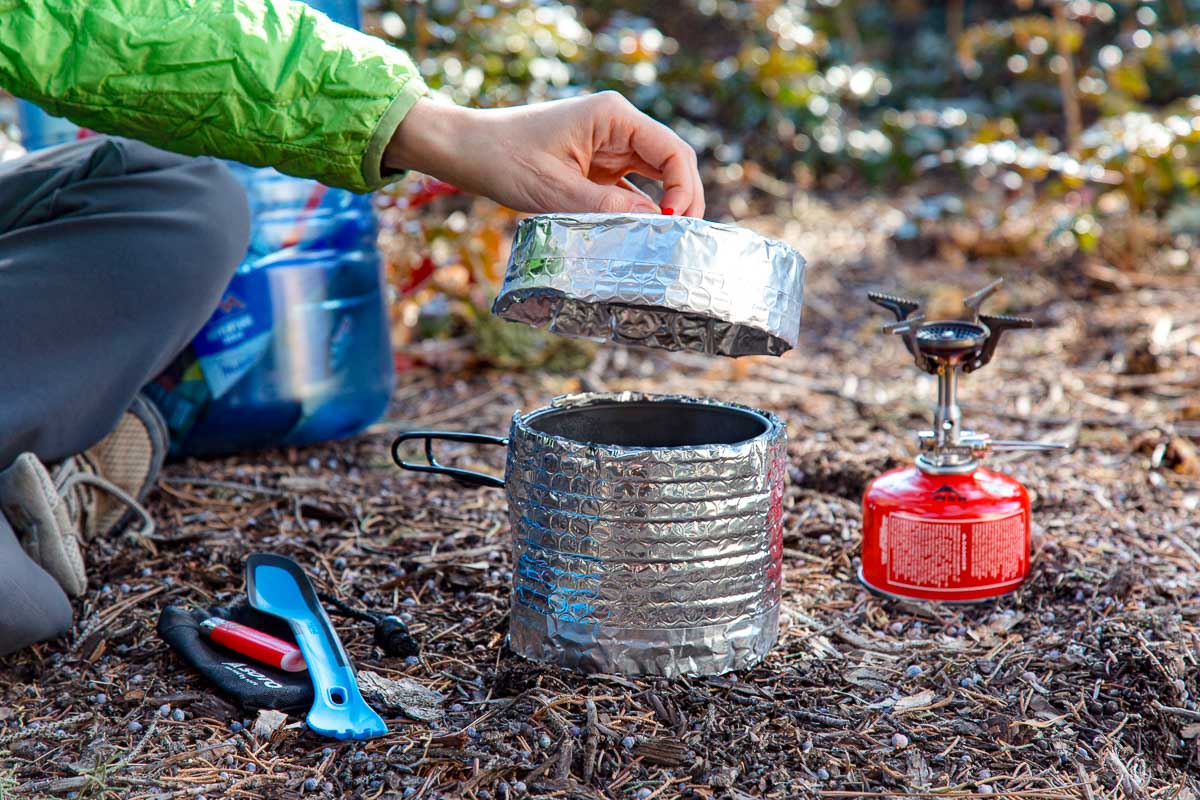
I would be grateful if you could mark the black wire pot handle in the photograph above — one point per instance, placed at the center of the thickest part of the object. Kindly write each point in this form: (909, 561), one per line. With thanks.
(433, 465)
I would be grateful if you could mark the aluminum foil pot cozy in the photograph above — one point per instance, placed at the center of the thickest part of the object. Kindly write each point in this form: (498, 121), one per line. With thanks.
(674, 283)
(647, 532)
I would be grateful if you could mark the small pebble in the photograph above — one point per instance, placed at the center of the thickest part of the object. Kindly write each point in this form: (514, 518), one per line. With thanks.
(411, 661)
(913, 671)
(544, 740)
(327, 787)
(106, 589)
(147, 572)
(896, 628)
(823, 774)
(326, 752)
(178, 715)
(409, 792)
(251, 767)
(825, 539)
(164, 710)
(235, 726)
(100, 699)
(124, 588)
(457, 708)
(410, 601)
(575, 730)
(643, 793)
(484, 794)
(985, 788)
(628, 742)
(134, 726)
(359, 756)
(1029, 676)
(519, 787)
(339, 563)
(311, 785)
(899, 741)
(168, 581)
(474, 734)
(406, 617)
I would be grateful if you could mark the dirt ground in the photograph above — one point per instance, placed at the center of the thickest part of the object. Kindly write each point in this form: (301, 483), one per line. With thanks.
(1082, 684)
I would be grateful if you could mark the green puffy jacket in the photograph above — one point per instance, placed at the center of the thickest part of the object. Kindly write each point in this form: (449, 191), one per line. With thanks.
(266, 82)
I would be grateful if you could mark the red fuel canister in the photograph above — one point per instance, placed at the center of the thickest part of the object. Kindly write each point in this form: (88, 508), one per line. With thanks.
(953, 538)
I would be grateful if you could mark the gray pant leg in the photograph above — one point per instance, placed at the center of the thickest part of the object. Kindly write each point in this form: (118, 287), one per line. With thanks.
(112, 255)
(33, 607)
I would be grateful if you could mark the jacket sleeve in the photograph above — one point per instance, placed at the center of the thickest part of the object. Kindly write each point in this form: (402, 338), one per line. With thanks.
(265, 82)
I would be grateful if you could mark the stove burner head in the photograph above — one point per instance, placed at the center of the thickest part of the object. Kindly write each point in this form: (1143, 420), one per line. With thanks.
(968, 343)
(951, 338)
(944, 348)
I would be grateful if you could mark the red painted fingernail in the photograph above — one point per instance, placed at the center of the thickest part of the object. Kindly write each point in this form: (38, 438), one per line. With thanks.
(670, 212)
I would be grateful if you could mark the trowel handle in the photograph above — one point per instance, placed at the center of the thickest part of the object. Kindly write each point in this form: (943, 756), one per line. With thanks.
(338, 708)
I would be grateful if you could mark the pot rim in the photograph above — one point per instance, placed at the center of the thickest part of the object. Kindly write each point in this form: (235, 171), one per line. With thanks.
(773, 427)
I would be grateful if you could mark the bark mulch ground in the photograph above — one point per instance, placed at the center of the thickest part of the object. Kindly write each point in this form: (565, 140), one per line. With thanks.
(1082, 684)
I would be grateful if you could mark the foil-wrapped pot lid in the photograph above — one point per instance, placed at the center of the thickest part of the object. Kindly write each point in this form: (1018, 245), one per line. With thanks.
(674, 283)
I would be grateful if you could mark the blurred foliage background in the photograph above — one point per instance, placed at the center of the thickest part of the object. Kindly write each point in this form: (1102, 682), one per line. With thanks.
(986, 111)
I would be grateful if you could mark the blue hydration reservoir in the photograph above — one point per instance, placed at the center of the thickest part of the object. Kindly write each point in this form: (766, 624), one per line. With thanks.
(298, 350)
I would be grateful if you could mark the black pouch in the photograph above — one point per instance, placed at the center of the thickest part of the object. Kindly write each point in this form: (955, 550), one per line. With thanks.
(250, 684)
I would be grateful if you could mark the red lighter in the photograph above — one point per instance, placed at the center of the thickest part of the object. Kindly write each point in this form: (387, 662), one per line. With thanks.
(254, 644)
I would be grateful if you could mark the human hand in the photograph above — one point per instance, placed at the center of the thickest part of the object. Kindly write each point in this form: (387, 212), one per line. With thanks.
(561, 156)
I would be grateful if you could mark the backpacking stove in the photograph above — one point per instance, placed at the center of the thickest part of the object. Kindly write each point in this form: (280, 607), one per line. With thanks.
(947, 528)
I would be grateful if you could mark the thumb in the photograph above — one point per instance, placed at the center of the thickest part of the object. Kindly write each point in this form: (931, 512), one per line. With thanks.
(611, 199)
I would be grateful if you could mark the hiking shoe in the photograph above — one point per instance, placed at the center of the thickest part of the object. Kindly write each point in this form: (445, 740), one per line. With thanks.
(130, 458)
(94, 493)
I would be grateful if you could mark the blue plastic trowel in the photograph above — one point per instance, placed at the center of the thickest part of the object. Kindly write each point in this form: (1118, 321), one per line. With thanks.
(276, 585)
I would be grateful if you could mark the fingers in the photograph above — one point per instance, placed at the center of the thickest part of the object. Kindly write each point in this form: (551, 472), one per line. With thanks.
(623, 198)
(668, 156)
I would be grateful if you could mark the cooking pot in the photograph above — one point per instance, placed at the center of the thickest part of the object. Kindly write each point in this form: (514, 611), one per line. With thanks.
(647, 531)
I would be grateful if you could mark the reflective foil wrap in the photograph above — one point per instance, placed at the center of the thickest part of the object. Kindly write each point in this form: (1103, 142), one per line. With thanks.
(674, 283)
(646, 560)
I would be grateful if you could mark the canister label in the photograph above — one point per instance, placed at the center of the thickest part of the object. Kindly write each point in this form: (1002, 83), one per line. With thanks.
(951, 555)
